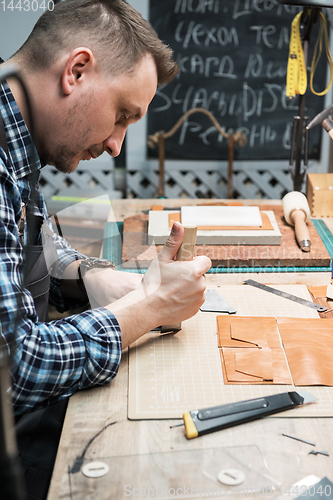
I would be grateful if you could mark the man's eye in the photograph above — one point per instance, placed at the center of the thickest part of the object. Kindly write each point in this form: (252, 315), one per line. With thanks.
(121, 119)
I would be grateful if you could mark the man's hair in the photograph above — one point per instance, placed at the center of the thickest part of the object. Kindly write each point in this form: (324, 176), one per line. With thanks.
(115, 32)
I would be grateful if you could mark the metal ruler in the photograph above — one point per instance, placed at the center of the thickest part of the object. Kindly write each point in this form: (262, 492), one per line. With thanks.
(286, 295)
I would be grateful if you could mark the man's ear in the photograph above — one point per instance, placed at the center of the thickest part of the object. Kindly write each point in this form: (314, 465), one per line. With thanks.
(79, 62)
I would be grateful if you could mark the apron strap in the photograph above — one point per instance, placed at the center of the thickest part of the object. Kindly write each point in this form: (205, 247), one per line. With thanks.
(3, 139)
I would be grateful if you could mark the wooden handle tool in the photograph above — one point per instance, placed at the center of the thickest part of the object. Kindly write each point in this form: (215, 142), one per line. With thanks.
(297, 212)
(186, 249)
(185, 252)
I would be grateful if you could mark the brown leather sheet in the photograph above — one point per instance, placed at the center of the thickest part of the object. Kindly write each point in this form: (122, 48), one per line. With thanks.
(308, 344)
(247, 331)
(319, 295)
(254, 366)
(251, 350)
(318, 292)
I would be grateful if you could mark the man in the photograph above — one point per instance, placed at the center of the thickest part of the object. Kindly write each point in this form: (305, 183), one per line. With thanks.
(91, 69)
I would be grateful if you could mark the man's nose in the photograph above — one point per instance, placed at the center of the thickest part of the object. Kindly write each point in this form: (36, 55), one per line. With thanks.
(114, 143)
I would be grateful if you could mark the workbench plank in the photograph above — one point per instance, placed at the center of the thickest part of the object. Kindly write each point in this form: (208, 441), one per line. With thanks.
(91, 410)
(137, 253)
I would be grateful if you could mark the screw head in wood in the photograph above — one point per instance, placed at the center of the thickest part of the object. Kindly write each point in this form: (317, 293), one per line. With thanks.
(95, 469)
(231, 477)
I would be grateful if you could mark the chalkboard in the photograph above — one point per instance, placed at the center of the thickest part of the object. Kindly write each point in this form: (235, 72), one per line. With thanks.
(233, 59)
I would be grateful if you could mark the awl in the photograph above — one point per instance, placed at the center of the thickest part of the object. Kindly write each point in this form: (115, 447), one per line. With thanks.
(199, 422)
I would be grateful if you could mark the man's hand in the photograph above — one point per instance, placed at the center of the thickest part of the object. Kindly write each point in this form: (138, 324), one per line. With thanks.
(170, 292)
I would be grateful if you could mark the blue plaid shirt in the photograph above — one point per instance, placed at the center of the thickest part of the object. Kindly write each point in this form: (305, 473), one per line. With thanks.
(52, 360)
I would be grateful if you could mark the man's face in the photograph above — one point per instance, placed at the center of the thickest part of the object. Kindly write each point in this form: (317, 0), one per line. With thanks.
(97, 119)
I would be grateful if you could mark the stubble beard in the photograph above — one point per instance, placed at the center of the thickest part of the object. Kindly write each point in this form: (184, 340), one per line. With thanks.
(64, 159)
(62, 156)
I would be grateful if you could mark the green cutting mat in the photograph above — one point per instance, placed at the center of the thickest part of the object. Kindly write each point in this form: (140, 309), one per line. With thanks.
(112, 249)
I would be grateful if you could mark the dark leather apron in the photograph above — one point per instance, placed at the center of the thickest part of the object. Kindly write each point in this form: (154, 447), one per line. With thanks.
(38, 281)
(38, 432)
(37, 278)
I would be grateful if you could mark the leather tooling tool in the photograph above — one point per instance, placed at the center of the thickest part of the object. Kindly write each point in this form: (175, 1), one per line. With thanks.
(199, 422)
(324, 119)
(286, 295)
(215, 303)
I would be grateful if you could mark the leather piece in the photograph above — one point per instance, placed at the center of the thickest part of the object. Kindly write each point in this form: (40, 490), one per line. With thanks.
(254, 366)
(307, 347)
(241, 332)
(247, 331)
(266, 224)
(329, 292)
(175, 217)
(260, 358)
(323, 301)
(318, 292)
(308, 344)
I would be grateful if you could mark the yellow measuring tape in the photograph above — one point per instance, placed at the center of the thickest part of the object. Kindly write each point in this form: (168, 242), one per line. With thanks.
(296, 70)
(317, 54)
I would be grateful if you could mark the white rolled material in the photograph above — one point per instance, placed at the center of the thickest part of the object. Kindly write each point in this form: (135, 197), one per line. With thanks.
(295, 201)
(297, 212)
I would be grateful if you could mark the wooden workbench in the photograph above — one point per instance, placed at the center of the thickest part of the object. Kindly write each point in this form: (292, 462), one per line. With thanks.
(92, 410)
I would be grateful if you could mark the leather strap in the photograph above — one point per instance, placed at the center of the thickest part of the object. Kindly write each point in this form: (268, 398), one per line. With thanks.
(3, 139)
(4, 146)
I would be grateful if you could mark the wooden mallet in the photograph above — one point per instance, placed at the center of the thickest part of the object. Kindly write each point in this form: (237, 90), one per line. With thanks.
(297, 212)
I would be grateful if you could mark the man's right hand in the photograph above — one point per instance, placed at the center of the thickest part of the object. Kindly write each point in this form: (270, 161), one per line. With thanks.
(170, 292)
